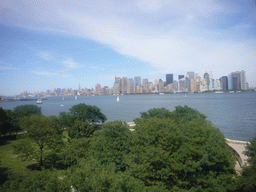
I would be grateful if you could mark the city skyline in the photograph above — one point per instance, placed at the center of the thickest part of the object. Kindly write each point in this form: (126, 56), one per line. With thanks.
(61, 44)
(192, 82)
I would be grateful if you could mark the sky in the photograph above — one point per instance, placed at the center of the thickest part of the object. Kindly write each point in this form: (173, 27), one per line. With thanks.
(61, 43)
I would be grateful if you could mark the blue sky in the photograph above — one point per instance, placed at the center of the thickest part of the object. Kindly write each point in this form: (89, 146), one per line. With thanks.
(50, 44)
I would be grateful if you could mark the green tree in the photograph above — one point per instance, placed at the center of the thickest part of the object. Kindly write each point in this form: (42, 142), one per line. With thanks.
(81, 129)
(111, 143)
(27, 110)
(42, 131)
(156, 112)
(89, 113)
(5, 125)
(182, 152)
(247, 180)
(66, 119)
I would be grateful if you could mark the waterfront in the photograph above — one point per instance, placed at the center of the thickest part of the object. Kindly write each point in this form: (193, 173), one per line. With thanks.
(233, 113)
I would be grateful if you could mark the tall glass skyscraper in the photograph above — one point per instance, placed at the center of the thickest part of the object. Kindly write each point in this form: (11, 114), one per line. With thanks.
(169, 78)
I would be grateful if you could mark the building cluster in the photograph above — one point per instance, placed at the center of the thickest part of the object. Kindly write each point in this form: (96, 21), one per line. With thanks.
(191, 83)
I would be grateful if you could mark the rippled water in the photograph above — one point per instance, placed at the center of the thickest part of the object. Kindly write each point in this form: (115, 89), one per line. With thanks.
(234, 114)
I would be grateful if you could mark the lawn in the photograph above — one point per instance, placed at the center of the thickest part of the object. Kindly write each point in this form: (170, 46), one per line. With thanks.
(13, 162)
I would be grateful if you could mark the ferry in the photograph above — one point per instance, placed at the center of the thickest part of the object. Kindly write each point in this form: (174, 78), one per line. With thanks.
(39, 101)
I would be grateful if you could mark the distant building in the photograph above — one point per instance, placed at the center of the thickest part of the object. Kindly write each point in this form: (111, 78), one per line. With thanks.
(169, 78)
(243, 80)
(137, 81)
(230, 82)
(237, 82)
(224, 83)
(207, 78)
(124, 85)
(191, 75)
(180, 77)
(97, 89)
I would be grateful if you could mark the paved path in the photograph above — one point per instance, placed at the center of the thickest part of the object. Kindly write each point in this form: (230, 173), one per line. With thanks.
(238, 148)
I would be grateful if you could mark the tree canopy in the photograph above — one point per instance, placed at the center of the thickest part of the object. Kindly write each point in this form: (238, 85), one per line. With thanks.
(42, 131)
(89, 113)
(27, 110)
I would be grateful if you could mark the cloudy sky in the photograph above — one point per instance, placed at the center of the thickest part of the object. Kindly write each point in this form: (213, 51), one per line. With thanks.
(61, 43)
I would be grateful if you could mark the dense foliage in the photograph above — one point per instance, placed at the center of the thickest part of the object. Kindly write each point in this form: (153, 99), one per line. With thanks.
(89, 113)
(27, 110)
(247, 180)
(43, 131)
(168, 151)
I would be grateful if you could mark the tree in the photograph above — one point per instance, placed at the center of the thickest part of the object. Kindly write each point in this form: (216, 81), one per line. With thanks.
(5, 125)
(111, 143)
(247, 180)
(27, 110)
(41, 130)
(81, 129)
(89, 113)
(182, 152)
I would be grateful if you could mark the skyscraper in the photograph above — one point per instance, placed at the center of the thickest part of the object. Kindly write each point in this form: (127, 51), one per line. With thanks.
(243, 80)
(124, 85)
(191, 75)
(224, 83)
(207, 78)
(169, 78)
(137, 81)
(237, 75)
(181, 77)
(230, 82)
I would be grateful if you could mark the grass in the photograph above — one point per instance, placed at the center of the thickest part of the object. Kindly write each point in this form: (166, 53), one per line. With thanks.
(10, 162)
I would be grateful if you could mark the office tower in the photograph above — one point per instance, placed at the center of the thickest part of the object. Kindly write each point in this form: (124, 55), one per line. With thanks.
(145, 82)
(115, 88)
(182, 85)
(161, 85)
(224, 83)
(119, 81)
(191, 75)
(237, 75)
(243, 80)
(230, 81)
(180, 77)
(207, 77)
(124, 85)
(175, 85)
(130, 85)
(192, 85)
(169, 78)
(97, 89)
(79, 88)
(234, 82)
(137, 81)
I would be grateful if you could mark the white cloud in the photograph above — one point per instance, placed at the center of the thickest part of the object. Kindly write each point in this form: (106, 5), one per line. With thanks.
(45, 55)
(174, 36)
(69, 63)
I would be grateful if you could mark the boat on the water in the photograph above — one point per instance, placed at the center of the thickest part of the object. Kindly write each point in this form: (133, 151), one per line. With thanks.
(117, 99)
(39, 101)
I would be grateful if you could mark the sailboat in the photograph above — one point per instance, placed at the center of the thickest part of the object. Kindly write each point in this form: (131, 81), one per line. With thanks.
(63, 99)
(117, 99)
(185, 95)
(75, 97)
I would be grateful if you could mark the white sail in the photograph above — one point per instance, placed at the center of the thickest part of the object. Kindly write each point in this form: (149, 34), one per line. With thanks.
(75, 97)
(117, 99)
